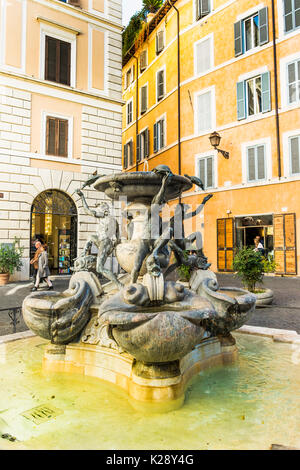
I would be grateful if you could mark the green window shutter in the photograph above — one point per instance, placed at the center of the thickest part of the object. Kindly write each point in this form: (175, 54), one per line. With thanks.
(147, 140)
(241, 104)
(265, 92)
(155, 147)
(263, 26)
(238, 38)
(288, 15)
(138, 147)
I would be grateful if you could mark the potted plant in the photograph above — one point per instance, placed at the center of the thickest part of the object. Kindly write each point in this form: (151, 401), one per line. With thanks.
(10, 260)
(249, 266)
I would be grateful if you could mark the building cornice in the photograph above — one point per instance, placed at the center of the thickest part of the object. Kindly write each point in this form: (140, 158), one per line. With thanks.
(58, 25)
(79, 13)
(43, 87)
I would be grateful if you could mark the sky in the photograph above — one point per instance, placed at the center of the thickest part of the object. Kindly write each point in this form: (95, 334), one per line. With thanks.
(129, 8)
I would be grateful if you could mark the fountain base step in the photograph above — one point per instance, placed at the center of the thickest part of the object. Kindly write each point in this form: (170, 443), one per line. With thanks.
(160, 386)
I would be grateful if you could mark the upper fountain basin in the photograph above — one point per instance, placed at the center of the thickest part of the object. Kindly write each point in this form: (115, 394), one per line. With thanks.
(140, 185)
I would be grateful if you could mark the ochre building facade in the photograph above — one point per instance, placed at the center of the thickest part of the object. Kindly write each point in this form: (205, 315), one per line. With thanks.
(237, 73)
(60, 120)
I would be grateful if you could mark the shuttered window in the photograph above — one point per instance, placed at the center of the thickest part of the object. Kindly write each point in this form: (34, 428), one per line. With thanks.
(125, 159)
(206, 171)
(253, 89)
(129, 113)
(203, 59)
(159, 135)
(128, 154)
(291, 15)
(75, 3)
(143, 61)
(253, 96)
(256, 163)
(57, 137)
(160, 41)
(144, 99)
(251, 32)
(202, 8)
(128, 78)
(160, 84)
(130, 74)
(142, 147)
(294, 145)
(204, 112)
(293, 72)
(57, 61)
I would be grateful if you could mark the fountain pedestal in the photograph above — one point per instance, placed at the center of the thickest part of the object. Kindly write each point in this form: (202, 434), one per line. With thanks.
(161, 387)
(145, 333)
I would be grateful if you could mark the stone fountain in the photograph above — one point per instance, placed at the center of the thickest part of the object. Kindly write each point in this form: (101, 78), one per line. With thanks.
(142, 330)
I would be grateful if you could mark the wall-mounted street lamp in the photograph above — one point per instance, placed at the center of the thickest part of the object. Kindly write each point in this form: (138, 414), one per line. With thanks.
(215, 140)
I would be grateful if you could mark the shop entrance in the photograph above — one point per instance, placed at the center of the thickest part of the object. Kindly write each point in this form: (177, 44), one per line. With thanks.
(54, 222)
(249, 227)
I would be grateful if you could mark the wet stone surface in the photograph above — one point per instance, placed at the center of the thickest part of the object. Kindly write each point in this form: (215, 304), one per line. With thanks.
(284, 313)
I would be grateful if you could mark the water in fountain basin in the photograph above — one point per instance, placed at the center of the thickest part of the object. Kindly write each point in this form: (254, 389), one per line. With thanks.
(248, 405)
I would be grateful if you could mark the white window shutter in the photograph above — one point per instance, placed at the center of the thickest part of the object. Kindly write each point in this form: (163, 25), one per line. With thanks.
(209, 172)
(159, 41)
(204, 112)
(261, 171)
(202, 171)
(203, 56)
(251, 163)
(295, 154)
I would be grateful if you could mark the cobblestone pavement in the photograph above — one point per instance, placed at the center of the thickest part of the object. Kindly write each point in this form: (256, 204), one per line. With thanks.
(13, 294)
(284, 313)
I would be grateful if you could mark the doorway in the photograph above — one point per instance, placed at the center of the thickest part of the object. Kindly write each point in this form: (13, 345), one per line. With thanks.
(54, 222)
(249, 227)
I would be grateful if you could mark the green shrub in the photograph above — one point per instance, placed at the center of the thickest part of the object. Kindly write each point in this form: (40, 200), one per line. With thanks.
(183, 270)
(269, 265)
(10, 257)
(249, 267)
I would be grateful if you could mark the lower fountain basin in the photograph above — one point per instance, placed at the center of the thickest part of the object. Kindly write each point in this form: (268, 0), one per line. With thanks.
(235, 406)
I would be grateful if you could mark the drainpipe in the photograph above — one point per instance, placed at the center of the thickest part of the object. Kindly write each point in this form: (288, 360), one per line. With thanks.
(136, 109)
(178, 87)
(276, 91)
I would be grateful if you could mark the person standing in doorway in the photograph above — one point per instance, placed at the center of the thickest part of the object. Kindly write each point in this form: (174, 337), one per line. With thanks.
(43, 271)
(258, 246)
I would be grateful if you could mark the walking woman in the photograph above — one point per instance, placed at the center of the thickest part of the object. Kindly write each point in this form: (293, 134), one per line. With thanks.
(43, 270)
